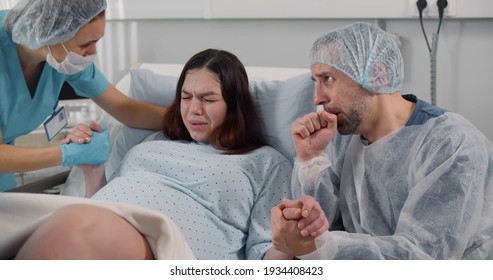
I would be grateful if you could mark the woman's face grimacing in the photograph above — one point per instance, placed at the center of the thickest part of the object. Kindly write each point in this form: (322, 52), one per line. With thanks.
(202, 105)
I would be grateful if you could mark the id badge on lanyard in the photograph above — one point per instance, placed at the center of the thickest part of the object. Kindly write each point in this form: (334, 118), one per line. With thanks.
(55, 123)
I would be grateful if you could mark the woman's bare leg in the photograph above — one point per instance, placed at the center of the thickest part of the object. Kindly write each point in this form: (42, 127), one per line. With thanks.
(85, 232)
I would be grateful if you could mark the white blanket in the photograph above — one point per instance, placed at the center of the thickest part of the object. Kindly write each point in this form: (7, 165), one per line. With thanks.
(20, 215)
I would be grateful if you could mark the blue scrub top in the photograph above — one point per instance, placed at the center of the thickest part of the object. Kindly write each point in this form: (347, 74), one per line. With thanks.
(19, 112)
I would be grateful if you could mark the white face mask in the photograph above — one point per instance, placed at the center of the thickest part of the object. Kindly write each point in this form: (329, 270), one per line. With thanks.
(73, 63)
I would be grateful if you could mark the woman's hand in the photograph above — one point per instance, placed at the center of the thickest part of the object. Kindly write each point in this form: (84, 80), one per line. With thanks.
(82, 133)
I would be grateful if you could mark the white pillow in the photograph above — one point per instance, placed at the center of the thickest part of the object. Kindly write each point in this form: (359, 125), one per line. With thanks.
(280, 103)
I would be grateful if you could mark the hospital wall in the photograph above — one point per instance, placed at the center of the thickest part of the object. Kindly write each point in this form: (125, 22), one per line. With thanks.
(464, 62)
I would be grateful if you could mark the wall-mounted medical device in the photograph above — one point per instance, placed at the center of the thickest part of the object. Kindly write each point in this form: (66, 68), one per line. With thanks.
(441, 6)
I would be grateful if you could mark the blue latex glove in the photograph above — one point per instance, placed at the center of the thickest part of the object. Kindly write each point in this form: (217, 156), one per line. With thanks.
(94, 152)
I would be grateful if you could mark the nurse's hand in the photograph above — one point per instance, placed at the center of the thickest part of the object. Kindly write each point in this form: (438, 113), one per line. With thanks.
(312, 133)
(310, 217)
(82, 133)
(95, 152)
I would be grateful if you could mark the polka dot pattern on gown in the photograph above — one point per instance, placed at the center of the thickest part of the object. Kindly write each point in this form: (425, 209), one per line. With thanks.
(220, 202)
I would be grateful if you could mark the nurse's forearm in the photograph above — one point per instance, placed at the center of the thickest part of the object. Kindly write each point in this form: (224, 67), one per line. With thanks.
(20, 159)
(129, 111)
(146, 116)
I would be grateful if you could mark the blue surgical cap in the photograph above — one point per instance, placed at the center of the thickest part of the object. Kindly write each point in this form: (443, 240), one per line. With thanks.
(365, 53)
(37, 23)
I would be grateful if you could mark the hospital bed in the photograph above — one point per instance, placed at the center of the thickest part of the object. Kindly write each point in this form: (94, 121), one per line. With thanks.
(280, 94)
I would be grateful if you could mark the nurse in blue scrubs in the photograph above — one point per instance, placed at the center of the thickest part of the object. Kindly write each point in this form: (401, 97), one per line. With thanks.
(44, 43)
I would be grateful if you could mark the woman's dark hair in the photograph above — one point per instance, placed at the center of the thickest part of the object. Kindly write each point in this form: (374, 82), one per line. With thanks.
(240, 131)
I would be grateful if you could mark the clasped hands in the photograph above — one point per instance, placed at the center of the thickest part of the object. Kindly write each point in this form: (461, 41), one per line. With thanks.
(296, 224)
(85, 145)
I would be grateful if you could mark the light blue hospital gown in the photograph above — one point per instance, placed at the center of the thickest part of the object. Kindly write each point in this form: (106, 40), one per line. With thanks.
(19, 112)
(423, 192)
(220, 202)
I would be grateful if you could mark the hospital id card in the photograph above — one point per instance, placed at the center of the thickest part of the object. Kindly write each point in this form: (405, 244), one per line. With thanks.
(54, 124)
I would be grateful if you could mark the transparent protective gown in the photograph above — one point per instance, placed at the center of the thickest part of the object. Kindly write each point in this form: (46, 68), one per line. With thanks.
(423, 192)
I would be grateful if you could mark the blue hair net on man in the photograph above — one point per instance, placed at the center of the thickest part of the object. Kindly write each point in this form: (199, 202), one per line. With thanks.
(37, 23)
(365, 53)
